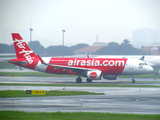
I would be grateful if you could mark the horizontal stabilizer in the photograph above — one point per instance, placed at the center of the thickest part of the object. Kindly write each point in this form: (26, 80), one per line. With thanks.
(19, 62)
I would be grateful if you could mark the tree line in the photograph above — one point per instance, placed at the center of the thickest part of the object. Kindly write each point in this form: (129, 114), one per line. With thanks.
(112, 48)
(40, 49)
(124, 48)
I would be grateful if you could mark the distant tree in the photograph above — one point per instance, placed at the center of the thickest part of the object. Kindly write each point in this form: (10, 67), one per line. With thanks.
(59, 50)
(123, 49)
(128, 49)
(142, 47)
(126, 41)
(36, 47)
(5, 48)
(113, 44)
(111, 49)
(11, 48)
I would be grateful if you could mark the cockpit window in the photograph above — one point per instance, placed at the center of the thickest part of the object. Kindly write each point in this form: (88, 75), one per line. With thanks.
(142, 63)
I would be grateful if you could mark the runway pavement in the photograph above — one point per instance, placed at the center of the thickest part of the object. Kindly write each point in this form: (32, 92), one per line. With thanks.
(116, 99)
(72, 80)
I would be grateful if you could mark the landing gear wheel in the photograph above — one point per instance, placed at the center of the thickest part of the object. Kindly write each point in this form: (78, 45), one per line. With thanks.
(78, 80)
(133, 81)
(89, 80)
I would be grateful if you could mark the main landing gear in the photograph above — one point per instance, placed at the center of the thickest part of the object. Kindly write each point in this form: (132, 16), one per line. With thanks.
(133, 80)
(89, 80)
(79, 80)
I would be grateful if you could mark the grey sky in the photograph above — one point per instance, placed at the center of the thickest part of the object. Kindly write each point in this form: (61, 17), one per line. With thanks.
(83, 20)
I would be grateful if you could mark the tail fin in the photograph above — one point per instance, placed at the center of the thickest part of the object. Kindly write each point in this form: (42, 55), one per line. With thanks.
(23, 51)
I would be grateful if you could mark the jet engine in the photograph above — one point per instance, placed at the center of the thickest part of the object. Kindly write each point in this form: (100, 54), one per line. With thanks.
(94, 75)
(110, 77)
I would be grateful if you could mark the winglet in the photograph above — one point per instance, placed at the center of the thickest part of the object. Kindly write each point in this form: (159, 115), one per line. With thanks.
(88, 56)
(41, 59)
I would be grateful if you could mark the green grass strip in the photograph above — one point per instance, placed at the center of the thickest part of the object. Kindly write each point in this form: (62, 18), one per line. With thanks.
(140, 76)
(16, 115)
(36, 74)
(21, 93)
(80, 85)
(6, 65)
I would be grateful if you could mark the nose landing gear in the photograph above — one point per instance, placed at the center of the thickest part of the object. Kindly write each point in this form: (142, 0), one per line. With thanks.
(133, 80)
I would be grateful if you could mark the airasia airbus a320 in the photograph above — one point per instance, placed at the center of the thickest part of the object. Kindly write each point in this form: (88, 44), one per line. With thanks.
(91, 68)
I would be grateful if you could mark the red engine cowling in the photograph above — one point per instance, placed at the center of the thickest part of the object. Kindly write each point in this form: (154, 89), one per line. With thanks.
(110, 77)
(94, 75)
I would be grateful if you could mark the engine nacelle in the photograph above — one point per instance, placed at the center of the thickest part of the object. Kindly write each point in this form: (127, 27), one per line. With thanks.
(94, 75)
(110, 77)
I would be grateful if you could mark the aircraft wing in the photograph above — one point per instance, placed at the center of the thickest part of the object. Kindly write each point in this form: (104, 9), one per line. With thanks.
(74, 69)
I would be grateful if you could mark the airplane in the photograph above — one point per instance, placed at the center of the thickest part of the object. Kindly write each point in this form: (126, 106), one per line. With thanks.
(91, 68)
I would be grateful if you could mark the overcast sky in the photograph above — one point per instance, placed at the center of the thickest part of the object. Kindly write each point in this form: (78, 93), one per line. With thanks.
(83, 20)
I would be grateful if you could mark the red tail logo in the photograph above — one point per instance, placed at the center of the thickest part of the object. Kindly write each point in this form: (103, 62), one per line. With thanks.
(22, 49)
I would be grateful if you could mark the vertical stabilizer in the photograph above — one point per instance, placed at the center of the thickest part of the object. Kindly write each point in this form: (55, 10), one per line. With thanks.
(23, 51)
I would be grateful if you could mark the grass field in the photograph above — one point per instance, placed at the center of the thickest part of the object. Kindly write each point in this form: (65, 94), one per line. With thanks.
(21, 93)
(6, 65)
(16, 115)
(36, 74)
